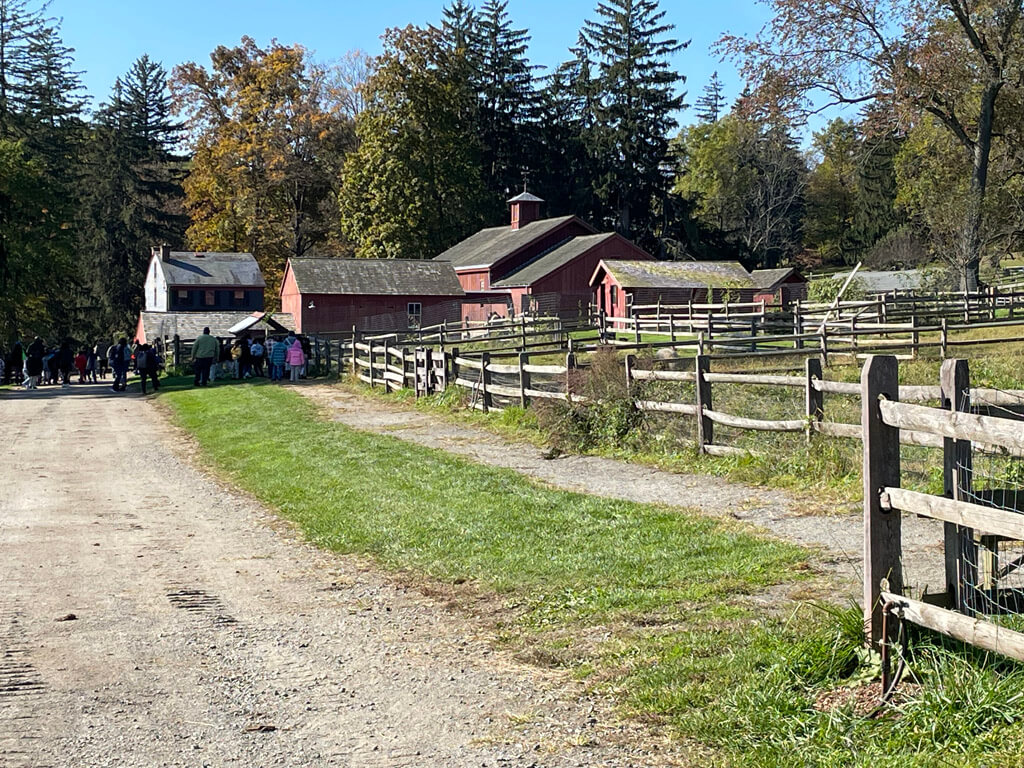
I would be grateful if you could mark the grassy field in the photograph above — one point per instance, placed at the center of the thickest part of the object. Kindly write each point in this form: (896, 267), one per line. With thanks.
(648, 605)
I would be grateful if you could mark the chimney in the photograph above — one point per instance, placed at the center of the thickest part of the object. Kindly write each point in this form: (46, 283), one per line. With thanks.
(525, 209)
(163, 251)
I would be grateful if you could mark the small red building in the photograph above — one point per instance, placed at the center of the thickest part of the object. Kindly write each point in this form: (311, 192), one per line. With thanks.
(327, 295)
(533, 265)
(779, 287)
(619, 285)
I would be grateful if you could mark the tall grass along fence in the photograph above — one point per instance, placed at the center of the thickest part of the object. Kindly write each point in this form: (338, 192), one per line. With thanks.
(980, 508)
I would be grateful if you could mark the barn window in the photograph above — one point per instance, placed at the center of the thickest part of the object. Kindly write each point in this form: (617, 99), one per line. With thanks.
(415, 311)
(239, 298)
(481, 283)
(209, 298)
(615, 295)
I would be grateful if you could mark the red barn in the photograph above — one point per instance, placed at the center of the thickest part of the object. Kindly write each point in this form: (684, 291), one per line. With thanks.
(779, 287)
(329, 295)
(619, 285)
(533, 265)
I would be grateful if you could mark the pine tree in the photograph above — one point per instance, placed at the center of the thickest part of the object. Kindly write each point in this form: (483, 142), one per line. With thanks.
(712, 101)
(507, 99)
(41, 132)
(635, 112)
(133, 192)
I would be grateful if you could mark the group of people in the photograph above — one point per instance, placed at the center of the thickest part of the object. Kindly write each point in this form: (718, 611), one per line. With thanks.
(37, 364)
(245, 358)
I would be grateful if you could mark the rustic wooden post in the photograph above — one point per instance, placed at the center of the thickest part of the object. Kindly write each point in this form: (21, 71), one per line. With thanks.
(798, 326)
(355, 352)
(370, 355)
(753, 334)
(992, 302)
(328, 356)
(636, 326)
(524, 379)
(672, 328)
(522, 329)
(705, 427)
(453, 377)
(570, 366)
(823, 333)
(961, 551)
(700, 342)
(943, 337)
(441, 333)
(387, 361)
(815, 399)
(177, 350)
(915, 337)
(630, 364)
(882, 530)
(485, 380)
(428, 371)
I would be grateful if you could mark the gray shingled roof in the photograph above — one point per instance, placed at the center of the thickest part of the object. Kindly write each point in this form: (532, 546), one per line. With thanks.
(393, 277)
(489, 246)
(769, 278)
(189, 325)
(227, 269)
(678, 274)
(551, 260)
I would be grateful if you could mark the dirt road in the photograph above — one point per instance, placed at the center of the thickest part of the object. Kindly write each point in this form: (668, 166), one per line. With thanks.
(149, 617)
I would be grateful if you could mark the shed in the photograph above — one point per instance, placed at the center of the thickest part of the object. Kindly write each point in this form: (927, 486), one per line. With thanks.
(328, 295)
(619, 285)
(156, 326)
(779, 287)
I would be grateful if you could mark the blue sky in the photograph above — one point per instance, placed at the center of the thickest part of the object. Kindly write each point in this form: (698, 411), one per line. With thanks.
(108, 35)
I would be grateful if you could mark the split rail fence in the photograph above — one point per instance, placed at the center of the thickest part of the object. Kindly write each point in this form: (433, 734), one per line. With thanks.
(980, 511)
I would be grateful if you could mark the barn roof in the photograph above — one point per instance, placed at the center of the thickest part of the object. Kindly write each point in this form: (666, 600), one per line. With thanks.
(552, 259)
(220, 269)
(189, 325)
(489, 246)
(377, 277)
(676, 274)
(767, 279)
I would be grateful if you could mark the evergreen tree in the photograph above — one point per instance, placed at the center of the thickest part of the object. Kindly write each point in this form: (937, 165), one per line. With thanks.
(635, 111)
(133, 192)
(712, 101)
(566, 172)
(41, 131)
(508, 100)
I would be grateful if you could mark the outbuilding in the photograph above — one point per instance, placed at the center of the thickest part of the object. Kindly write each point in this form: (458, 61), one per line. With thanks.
(779, 287)
(327, 295)
(619, 285)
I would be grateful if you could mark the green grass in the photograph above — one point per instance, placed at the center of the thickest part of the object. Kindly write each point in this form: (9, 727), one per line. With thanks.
(643, 603)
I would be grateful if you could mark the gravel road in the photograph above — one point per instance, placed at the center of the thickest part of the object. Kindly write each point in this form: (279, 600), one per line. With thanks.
(151, 617)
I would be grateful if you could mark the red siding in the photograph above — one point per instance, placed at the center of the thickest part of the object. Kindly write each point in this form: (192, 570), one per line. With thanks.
(475, 280)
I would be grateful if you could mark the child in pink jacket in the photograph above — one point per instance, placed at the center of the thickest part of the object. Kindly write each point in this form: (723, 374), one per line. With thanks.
(295, 359)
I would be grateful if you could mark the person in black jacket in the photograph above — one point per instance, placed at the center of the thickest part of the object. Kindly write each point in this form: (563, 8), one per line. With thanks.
(148, 365)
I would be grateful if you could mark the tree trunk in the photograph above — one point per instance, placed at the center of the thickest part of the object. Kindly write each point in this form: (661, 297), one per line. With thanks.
(979, 182)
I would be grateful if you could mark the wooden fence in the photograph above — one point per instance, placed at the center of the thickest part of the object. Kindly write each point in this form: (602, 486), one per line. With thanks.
(811, 420)
(972, 529)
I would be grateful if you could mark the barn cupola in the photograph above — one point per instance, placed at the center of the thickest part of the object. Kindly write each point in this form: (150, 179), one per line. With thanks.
(525, 208)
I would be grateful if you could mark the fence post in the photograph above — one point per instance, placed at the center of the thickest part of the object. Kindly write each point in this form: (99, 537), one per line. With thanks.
(405, 368)
(815, 399)
(485, 381)
(355, 340)
(798, 327)
(524, 379)
(630, 364)
(705, 427)
(636, 326)
(960, 546)
(700, 342)
(882, 529)
(943, 337)
(824, 347)
(570, 365)
(384, 369)
(177, 350)
(915, 337)
(522, 329)
(454, 376)
(441, 333)
(753, 334)
(369, 354)
(992, 302)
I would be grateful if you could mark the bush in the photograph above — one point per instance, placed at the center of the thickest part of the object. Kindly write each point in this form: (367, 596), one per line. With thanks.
(607, 418)
(825, 290)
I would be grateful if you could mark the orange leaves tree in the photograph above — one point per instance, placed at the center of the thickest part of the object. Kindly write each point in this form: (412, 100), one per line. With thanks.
(906, 61)
(268, 135)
